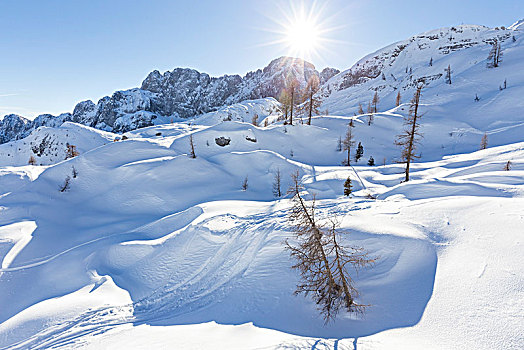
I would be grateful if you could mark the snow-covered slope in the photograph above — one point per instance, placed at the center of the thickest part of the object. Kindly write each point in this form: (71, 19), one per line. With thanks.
(147, 239)
(453, 120)
(48, 145)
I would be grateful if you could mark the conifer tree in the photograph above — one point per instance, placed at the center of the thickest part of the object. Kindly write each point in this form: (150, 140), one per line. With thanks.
(375, 102)
(360, 109)
(71, 151)
(484, 141)
(371, 161)
(321, 260)
(285, 103)
(312, 104)
(192, 153)
(359, 153)
(409, 139)
(495, 55)
(348, 143)
(293, 87)
(347, 187)
(448, 74)
(507, 167)
(277, 192)
(244, 184)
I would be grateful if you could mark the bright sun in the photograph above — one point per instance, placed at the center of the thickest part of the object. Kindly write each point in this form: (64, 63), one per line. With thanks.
(302, 37)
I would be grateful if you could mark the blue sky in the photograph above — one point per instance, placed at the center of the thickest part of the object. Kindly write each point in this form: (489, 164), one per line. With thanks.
(57, 53)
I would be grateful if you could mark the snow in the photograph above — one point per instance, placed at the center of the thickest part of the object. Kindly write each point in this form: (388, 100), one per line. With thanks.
(151, 248)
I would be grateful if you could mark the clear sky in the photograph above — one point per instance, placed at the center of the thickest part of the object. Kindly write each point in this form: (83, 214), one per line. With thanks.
(55, 53)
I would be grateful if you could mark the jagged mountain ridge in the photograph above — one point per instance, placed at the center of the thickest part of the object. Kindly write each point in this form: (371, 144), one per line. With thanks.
(181, 93)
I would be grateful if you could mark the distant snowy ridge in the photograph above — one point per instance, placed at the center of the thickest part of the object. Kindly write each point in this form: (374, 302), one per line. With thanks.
(177, 94)
(519, 25)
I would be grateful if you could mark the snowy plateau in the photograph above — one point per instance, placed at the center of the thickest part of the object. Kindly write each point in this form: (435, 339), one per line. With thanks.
(152, 249)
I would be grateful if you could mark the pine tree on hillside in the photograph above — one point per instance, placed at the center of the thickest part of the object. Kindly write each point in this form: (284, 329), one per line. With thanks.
(293, 87)
(431, 62)
(495, 55)
(507, 167)
(347, 187)
(410, 137)
(359, 153)
(484, 141)
(448, 74)
(321, 260)
(348, 143)
(371, 161)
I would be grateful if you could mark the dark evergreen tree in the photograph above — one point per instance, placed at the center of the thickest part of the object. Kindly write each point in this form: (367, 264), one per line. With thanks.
(347, 187)
(495, 55)
(371, 161)
(359, 153)
(448, 74)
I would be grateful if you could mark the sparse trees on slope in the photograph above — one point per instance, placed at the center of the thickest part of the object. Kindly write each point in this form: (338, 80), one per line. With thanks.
(409, 139)
(448, 74)
(321, 260)
(495, 55)
(484, 141)
(348, 143)
(312, 104)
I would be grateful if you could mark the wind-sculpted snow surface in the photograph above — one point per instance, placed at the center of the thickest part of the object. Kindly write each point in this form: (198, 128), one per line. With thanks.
(147, 238)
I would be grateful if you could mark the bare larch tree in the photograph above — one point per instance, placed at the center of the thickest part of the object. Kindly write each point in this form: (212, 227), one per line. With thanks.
(495, 55)
(399, 97)
(191, 147)
(409, 139)
(348, 142)
(277, 184)
(321, 260)
(312, 104)
(484, 141)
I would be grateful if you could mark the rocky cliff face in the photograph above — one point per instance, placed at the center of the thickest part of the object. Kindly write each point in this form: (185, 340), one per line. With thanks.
(181, 93)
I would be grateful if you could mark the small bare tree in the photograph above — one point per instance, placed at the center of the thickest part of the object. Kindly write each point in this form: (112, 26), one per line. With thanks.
(277, 186)
(375, 102)
(321, 260)
(448, 74)
(507, 167)
(66, 185)
(495, 55)
(71, 151)
(32, 160)
(348, 142)
(244, 184)
(484, 141)
(360, 109)
(191, 147)
(254, 120)
(74, 172)
(409, 139)
(312, 103)
(398, 99)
